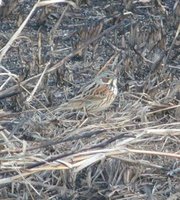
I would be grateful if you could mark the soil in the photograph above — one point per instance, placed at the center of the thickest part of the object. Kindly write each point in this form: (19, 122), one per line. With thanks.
(129, 151)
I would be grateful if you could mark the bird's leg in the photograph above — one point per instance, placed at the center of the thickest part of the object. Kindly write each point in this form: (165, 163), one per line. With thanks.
(84, 117)
(85, 113)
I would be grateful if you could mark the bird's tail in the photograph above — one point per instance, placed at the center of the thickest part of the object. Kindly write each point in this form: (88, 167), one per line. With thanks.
(71, 105)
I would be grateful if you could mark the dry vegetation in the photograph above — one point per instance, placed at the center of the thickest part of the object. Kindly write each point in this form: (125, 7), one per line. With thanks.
(47, 53)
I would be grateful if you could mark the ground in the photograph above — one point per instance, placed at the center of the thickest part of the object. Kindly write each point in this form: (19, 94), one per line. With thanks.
(129, 151)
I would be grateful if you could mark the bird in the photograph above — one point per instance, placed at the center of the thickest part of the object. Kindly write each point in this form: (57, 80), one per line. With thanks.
(95, 97)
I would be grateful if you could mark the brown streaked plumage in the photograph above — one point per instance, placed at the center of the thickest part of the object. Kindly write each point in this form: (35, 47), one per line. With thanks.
(95, 97)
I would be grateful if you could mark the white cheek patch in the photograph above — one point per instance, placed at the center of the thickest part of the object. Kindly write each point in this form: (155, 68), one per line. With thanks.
(115, 87)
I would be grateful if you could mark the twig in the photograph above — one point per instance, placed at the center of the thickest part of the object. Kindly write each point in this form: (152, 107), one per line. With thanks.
(11, 90)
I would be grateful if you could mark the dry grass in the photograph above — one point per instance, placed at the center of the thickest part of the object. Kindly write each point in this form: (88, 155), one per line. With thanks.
(49, 50)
